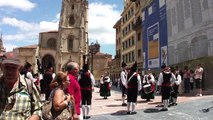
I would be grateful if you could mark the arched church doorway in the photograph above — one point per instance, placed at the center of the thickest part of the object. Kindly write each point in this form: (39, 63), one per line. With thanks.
(48, 59)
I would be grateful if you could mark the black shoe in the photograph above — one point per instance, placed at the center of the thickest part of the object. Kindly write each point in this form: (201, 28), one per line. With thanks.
(134, 112)
(124, 104)
(175, 104)
(128, 113)
(87, 117)
(164, 109)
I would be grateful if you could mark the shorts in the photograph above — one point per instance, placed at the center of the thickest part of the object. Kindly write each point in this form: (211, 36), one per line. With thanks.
(198, 83)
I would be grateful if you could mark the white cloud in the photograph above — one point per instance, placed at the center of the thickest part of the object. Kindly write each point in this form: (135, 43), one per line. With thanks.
(102, 18)
(22, 25)
(23, 37)
(47, 26)
(24, 5)
(9, 47)
(28, 32)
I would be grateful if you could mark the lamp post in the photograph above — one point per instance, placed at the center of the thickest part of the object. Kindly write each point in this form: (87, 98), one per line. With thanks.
(93, 49)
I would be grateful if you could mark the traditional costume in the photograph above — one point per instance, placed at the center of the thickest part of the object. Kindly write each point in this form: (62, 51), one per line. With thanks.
(175, 87)
(148, 87)
(133, 86)
(165, 79)
(105, 86)
(86, 82)
(123, 81)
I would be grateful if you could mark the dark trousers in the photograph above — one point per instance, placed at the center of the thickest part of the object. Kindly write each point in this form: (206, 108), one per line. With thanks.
(165, 92)
(186, 85)
(86, 97)
(192, 85)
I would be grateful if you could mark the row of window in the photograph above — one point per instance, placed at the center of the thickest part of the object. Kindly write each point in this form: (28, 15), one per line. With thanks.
(128, 28)
(129, 57)
(128, 43)
(128, 15)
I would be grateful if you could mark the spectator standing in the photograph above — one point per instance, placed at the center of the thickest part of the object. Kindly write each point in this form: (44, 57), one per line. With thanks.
(191, 79)
(74, 89)
(16, 100)
(198, 79)
(62, 102)
(47, 79)
(186, 78)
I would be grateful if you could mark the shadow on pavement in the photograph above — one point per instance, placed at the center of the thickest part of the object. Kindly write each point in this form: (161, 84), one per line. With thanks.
(142, 101)
(161, 105)
(113, 105)
(119, 113)
(151, 110)
(118, 99)
(154, 103)
(100, 99)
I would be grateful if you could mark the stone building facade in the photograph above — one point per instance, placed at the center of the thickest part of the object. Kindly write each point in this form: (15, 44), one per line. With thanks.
(70, 42)
(190, 29)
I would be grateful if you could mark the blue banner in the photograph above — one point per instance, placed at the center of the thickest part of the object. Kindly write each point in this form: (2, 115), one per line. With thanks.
(155, 39)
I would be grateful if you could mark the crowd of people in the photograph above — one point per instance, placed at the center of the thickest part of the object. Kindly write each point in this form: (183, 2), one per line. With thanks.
(169, 83)
(67, 90)
(72, 89)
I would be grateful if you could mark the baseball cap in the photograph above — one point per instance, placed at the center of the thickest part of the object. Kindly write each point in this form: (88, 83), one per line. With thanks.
(11, 59)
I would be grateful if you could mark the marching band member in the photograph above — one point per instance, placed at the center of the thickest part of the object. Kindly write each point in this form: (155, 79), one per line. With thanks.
(133, 86)
(175, 86)
(164, 80)
(123, 81)
(105, 86)
(148, 86)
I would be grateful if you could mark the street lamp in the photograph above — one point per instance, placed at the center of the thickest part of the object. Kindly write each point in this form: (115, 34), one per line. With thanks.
(93, 49)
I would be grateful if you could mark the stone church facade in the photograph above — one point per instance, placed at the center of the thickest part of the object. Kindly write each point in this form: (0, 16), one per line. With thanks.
(70, 42)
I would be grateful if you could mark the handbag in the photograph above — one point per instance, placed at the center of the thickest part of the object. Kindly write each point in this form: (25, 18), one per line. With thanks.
(48, 112)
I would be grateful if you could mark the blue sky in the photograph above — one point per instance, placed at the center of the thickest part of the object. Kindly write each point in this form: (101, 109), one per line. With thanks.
(22, 20)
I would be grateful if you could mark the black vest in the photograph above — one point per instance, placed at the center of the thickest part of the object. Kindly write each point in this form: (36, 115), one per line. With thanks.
(85, 81)
(166, 78)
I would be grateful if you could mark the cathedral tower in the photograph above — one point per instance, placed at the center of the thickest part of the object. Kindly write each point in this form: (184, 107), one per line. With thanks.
(73, 32)
(70, 42)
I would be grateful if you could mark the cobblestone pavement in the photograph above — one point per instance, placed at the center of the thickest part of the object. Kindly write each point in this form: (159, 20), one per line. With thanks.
(189, 108)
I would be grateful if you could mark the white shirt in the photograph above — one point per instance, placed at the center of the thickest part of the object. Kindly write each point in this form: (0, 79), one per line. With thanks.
(198, 73)
(30, 76)
(152, 80)
(178, 79)
(124, 78)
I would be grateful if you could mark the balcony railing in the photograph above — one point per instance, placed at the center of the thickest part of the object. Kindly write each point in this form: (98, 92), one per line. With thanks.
(138, 24)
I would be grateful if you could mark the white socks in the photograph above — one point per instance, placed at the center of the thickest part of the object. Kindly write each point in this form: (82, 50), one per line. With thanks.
(132, 105)
(88, 109)
(128, 106)
(165, 103)
(123, 99)
(83, 110)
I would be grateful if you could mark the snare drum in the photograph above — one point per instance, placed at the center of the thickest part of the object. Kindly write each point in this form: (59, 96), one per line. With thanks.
(147, 88)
